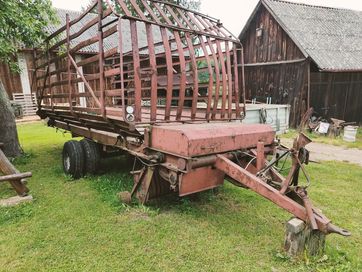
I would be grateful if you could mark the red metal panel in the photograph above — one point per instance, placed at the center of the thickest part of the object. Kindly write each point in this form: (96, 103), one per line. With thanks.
(209, 138)
(200, 179)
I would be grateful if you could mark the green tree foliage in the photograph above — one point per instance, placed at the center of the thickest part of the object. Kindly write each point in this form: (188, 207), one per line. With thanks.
(190, 4)
(22, 24)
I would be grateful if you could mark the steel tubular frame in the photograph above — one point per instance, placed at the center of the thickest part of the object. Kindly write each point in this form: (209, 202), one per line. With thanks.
(160, 80)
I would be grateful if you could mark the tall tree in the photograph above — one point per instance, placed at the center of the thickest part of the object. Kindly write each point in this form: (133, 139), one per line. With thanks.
(22, 25)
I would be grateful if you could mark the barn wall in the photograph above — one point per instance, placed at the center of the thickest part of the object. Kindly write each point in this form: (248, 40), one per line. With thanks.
(337, 95)
(273, 45)
(286, 83)
(11, 80)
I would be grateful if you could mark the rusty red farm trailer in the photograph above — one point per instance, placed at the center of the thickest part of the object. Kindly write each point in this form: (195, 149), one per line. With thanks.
(165, 85)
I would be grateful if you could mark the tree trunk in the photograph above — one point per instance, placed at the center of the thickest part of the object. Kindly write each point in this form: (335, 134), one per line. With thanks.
(8, 132)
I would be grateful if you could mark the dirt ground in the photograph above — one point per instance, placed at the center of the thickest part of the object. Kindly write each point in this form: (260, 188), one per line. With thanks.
(325, 152)
(28, 119)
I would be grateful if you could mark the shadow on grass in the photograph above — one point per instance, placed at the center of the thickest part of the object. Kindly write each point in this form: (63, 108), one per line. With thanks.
(230, 202)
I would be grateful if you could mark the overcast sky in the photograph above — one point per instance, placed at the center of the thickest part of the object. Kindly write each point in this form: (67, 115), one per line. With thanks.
(233, 13)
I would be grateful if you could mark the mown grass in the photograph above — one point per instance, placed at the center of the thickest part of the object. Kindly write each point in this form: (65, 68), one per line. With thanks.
(338, 141)
(81, 226)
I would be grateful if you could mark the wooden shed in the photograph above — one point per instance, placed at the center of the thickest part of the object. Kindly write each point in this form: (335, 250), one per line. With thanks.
(305, 56)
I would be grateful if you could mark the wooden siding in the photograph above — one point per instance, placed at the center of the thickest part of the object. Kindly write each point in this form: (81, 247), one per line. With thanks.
(10, 80)
(285, 83)
(337, 95)
(273, 45)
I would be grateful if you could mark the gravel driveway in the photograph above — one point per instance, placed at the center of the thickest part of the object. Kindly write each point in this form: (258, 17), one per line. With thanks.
(325, 152)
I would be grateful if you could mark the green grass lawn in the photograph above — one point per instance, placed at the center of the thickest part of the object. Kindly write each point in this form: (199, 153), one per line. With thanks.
(80, 225)
(328, 140)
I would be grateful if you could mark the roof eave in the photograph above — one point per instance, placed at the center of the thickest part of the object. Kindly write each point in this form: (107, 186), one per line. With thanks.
(248, 22)
(333, 70)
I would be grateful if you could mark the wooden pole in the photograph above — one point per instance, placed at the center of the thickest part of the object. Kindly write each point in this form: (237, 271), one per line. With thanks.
(8, 169)
(15, 177)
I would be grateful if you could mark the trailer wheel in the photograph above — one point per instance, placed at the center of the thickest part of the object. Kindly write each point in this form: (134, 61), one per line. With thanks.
(73, 159)
(92, 156)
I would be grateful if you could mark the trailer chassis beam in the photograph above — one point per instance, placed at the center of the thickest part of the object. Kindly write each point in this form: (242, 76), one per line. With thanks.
(245, 178)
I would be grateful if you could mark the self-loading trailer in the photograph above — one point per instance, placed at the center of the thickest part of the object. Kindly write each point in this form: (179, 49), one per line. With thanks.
(164, 84)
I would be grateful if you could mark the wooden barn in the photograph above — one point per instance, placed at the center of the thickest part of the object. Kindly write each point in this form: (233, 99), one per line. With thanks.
(305, 56)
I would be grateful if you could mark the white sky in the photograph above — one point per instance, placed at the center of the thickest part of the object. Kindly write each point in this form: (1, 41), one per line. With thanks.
(232, 13)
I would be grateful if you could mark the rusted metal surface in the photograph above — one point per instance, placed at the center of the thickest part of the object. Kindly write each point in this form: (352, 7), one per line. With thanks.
(204, 139)
(206, 177)
(261, 187)
(149, 101)
(237, 158)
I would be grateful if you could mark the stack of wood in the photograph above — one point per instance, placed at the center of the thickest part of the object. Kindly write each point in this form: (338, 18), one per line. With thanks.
(12, 175)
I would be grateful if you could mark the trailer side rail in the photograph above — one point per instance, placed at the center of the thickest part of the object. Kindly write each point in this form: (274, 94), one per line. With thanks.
(129, 64)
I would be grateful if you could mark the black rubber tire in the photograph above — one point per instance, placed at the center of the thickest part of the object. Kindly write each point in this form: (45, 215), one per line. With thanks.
(92, 156)
(73, 159)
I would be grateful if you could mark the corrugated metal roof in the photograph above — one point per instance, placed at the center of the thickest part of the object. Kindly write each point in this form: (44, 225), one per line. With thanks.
(331, 37)
(109, 42)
